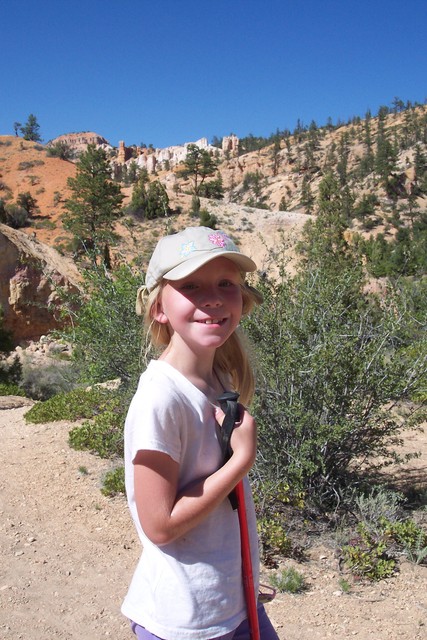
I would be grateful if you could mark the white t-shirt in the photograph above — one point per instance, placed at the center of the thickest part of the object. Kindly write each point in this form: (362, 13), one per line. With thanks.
(192, 587)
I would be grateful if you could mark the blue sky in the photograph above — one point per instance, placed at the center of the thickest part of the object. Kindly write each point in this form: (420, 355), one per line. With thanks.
(172, 71)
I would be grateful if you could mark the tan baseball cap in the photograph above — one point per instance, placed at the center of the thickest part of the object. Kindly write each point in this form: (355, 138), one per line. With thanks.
(179, 255)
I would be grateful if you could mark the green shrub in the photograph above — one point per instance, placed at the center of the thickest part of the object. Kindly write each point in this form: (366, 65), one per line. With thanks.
(44, 382)
(75, 405)
(16, 216)
(195, 205)
(60, 150)
(103, 435)
(11, 390)
(114, 482)
(207, 219)
(23, 166)
(409, 537)
(273, 537)
(27, 201)
(344, 585)
(373, 553)
(105, 331)
(378, 505)
(368, 557)
(44, 224)
(330, 358)
(288, 581)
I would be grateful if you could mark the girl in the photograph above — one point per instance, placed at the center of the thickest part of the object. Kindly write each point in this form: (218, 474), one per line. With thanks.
(188, 582)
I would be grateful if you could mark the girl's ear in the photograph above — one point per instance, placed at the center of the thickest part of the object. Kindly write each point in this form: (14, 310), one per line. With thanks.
(157, 312)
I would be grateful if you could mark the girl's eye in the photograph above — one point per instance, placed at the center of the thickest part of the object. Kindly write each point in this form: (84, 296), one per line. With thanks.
(188, 286)
(226, 283)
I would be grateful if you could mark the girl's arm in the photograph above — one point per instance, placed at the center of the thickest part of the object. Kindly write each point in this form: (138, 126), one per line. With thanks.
(165, 515)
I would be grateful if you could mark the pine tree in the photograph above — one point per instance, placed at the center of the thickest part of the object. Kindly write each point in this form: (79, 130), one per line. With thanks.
(366, 164)
(138, 201)
(94, 205)
(275, 155)
(343, 153)
(199, 165)
(307, 198)
(385, 159)
(30, 130)
(157, 201)
(324, 243)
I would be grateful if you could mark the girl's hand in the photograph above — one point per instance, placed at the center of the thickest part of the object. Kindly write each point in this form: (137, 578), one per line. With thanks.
(243, 439)
(156, 483)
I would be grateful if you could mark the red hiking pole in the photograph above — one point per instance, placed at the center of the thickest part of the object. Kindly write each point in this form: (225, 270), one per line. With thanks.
(228, 403)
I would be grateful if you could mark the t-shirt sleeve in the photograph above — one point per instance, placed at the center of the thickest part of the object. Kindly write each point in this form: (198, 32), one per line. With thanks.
(154, 421)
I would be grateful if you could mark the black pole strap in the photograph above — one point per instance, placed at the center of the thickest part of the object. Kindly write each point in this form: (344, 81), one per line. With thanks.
(229, 405)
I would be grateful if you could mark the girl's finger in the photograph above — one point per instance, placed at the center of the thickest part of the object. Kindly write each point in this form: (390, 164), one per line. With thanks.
(219, 416)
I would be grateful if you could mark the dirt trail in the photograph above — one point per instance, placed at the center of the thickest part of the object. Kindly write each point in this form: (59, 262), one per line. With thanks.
(67, 555)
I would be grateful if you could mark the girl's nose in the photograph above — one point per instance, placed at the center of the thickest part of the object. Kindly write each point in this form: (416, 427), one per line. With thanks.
(211, 298)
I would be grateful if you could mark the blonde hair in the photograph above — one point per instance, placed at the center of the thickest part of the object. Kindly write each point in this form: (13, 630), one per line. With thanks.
(231, 360)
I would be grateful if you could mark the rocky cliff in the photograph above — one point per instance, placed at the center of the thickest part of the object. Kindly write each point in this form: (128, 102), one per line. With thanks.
(30, 274)
(78, 141)
(153, 159)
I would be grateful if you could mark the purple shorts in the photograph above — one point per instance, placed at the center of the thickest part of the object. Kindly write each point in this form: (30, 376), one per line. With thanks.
(266, 630)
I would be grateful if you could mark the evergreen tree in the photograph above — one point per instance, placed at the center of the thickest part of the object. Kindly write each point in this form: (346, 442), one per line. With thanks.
(386, 156)
(60, 150)
(275, 155)
(313, 135)
(398, 105)
(27, 201)
(95, 203)
(157, 201)
(212, 189)
(149, 200)
(420, 167)
(138, 201)
(343, 153)
(132, 173)
(199, 165)
(207, 219)
(367, 162)
(283, 204)
(307, 198)
(30, 130)
(323, 240)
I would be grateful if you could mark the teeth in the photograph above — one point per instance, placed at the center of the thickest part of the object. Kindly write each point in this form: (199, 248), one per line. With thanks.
(216, 321)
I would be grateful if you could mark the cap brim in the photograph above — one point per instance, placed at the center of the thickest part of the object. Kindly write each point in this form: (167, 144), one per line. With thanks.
(190, 266)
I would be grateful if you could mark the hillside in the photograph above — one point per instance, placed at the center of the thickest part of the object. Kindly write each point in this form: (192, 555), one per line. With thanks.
(267, 192)
(26, 167)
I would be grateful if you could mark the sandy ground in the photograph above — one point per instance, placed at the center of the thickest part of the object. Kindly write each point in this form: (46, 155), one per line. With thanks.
(67, 555)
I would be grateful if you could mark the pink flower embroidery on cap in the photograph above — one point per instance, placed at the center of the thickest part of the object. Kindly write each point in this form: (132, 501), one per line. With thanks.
(187, 248)
(219, 239)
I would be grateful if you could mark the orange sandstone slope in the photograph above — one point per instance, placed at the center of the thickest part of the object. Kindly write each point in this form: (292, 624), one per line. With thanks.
(26, 167)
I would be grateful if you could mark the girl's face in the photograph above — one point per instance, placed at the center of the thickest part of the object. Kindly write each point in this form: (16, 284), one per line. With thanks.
(204, 308)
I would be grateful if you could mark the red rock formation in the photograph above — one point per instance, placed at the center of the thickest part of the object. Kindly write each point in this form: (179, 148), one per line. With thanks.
(30, 274)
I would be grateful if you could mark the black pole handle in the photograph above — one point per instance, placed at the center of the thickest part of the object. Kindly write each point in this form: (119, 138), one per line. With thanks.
(229, 405)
